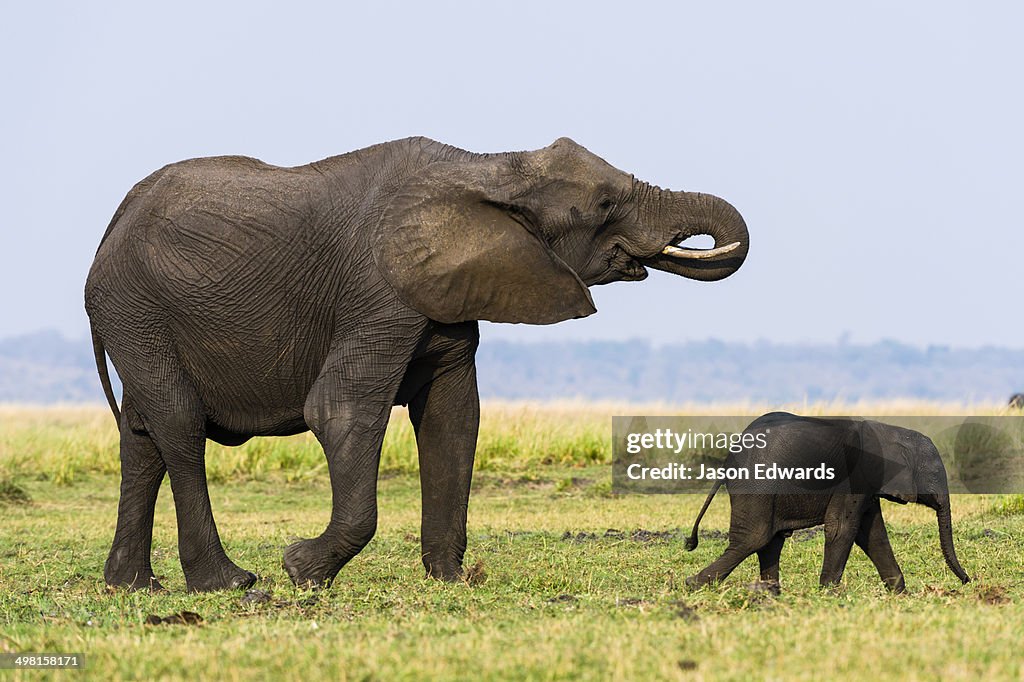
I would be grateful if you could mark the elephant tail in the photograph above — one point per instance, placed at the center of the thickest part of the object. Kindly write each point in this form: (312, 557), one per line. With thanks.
(101, 367)
(691, 542)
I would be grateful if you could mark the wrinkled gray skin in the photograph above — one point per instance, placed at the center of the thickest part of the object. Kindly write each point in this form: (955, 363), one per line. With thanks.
(238, 299)
(876, 461)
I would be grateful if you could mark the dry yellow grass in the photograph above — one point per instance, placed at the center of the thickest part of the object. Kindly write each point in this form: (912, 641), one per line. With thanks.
(61, 442)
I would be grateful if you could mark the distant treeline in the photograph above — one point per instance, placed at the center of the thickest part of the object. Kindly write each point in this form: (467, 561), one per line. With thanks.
(45, 367)
(703, 371)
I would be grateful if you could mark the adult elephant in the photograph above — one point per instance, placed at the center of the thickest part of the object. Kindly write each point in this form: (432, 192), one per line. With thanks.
(239, 299)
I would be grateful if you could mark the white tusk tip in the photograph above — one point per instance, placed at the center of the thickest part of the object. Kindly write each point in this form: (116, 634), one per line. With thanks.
(699, 254)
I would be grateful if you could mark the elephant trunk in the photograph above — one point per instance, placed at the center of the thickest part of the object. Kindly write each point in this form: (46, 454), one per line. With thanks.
(946, 538)
(676, 216)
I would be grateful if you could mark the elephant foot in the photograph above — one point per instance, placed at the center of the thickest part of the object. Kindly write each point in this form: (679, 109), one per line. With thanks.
(445, 571)
(895, 585)
(309, 564)
(123, 574)
(449, 576)
(136, 582)
(833, 587)
(704, 579)
(227, 577)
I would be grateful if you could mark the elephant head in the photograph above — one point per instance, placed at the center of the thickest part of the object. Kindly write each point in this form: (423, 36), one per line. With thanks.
(519, 237)
(912, 471)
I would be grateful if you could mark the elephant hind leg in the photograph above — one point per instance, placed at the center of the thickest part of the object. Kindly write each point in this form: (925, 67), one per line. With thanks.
(842, 523)
(874, 540)
(768, 558)
(173, 416)
(720, 569)
(142, 472)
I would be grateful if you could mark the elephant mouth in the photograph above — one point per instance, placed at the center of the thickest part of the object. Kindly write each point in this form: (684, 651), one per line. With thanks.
(619, 266)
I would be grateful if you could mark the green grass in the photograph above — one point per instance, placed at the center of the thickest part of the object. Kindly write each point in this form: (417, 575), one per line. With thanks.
(562, 597)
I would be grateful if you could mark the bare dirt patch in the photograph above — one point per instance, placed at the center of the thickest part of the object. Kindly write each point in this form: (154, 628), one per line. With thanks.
(475, 574)
(181, 618)
(639, 535)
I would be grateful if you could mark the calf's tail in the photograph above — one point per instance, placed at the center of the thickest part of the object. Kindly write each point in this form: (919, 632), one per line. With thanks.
(691, 542)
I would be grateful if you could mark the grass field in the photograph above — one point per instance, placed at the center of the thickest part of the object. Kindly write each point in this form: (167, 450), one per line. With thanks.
(571, 581)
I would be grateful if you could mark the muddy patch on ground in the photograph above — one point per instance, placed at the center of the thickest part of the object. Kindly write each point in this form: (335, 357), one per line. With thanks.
(513, 534)
(182, 618)
(639, 535)
(986, 594)
(512, 482)
(475, 574)
(713, 535)
(990, 534)
(806, 534)
(683, 611)
(633, 602)
(678, 608)
(768, 588)
(255, 597)
(13, 494)
(992, 594)
(573, 483)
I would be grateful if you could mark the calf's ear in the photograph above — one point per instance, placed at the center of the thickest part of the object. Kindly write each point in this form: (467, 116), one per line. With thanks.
(887, 463)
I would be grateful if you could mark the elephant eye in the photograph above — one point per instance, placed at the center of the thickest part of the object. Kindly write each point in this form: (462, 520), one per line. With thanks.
(606, 205)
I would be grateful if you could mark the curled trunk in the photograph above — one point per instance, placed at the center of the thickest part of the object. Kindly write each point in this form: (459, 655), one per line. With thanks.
(688, 214)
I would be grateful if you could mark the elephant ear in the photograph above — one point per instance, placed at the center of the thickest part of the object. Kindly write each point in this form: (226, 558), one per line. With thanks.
(454, 250)
(890, 459)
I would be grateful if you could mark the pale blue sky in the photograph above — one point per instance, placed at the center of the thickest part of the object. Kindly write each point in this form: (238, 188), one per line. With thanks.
(875, 149)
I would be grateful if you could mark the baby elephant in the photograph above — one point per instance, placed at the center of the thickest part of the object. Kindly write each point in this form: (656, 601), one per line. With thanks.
(832, 471)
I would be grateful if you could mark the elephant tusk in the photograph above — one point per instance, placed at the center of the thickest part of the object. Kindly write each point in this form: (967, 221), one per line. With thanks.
(677, 252)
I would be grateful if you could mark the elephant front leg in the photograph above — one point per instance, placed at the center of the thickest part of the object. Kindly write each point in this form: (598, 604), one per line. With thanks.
(446, 416)
(768, 558)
